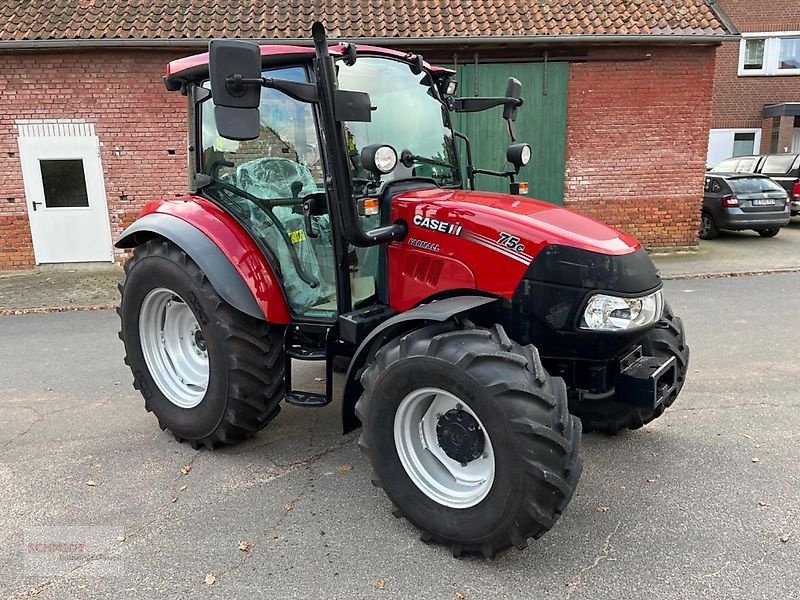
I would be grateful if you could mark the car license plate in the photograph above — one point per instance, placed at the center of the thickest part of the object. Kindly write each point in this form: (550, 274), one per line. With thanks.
(763, 202)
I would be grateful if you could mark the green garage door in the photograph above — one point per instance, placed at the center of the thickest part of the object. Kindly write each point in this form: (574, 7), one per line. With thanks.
(541, 122)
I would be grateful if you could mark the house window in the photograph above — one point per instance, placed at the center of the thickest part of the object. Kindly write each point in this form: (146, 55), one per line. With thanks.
(789, 54)
(776, 130)
(743, 143)
(753, 55)
(770, 54)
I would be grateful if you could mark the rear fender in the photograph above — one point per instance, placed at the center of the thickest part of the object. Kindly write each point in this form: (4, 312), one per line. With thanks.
(227, 255)
(433, 312)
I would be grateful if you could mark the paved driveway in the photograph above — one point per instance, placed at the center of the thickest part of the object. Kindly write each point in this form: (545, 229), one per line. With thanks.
(680, 509)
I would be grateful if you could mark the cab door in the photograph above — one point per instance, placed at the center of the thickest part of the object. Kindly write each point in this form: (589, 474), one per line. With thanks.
(263, 183)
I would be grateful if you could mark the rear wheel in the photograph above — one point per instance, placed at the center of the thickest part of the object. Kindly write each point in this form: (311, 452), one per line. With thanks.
(469, 437)
(768, 233)
(211, 374)
(708, 228)
(605, 414)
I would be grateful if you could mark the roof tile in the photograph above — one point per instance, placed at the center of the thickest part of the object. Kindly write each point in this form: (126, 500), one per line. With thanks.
(27, 20)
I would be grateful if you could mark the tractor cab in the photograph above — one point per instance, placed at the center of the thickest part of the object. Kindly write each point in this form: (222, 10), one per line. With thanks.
(275, 182)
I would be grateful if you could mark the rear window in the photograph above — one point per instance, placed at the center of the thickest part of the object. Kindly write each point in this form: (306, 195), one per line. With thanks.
(754, 185)
(778, 164)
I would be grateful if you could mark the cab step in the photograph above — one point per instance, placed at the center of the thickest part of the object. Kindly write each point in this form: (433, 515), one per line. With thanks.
(308, 343)
(306, 399)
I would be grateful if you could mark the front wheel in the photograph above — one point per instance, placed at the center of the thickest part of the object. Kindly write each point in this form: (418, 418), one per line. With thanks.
(768, 233)
(469, 437)
(211, 374)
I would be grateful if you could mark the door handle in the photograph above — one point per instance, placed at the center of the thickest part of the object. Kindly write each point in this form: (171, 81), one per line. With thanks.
(309, 225)
(35, 204)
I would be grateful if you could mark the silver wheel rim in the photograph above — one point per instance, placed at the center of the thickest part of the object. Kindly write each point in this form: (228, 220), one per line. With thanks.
(441, 478)
(174, 348)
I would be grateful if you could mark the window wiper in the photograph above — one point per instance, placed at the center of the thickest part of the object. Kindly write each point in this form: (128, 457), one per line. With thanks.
(408, 158)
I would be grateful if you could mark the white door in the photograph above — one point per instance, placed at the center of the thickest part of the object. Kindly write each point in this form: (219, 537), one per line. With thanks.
(66, 199)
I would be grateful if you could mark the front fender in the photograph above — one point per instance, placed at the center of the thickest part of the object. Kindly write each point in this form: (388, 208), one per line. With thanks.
(227, 255)
(433, 312)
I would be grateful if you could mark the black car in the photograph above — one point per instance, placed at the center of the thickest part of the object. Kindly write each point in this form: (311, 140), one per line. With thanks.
(740, 201)
(783, 168)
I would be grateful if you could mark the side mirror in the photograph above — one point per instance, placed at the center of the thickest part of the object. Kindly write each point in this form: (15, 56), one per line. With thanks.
(235, 71)
(513, 90)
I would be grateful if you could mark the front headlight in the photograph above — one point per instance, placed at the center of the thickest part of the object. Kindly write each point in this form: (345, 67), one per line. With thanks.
(613, 313)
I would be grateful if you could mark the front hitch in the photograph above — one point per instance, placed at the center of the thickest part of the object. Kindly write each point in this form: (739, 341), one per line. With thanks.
(646, 381)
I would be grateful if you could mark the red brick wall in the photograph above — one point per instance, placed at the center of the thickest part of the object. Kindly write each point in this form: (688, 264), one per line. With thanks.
(637, 134)
(762, 15)
(739, 101)
(135, 118)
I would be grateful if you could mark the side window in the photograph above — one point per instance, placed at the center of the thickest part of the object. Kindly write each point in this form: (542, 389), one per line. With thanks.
(778, 164)
(263, 182)
(715, 186)
(284, 155)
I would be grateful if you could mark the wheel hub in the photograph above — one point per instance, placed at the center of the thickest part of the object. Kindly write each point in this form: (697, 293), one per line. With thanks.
(460, 436)
(199, 340)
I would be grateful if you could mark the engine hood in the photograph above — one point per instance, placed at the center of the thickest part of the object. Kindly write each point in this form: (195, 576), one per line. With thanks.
(536, 223)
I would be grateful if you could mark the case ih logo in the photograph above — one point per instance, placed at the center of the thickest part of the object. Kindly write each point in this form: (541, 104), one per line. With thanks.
(436, 225)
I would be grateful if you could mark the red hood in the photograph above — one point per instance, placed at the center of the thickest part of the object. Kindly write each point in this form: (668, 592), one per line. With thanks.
(537, 222)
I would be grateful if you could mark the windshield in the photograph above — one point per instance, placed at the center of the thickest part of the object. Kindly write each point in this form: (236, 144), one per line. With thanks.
(407, 116)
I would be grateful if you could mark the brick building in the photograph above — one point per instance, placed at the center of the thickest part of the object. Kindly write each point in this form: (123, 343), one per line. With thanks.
(757, 82)
(618, 103)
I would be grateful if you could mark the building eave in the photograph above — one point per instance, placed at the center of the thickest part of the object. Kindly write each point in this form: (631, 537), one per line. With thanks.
(782, 109)
(554, 40)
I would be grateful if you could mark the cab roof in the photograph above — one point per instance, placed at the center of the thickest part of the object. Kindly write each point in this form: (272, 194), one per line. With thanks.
(195, 67)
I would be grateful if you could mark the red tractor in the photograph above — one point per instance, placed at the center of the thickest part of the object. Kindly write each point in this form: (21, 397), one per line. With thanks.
(329, 220)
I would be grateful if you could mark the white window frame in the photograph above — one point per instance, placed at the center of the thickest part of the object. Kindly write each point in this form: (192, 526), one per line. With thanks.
(772, 49)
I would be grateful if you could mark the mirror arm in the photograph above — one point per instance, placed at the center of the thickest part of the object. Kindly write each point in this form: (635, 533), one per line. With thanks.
(480, 104)
(304, 92)
(512, 129)
(495, 173)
